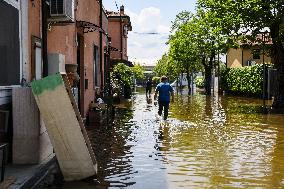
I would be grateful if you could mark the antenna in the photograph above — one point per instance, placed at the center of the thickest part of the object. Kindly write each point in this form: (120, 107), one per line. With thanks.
(116, 5)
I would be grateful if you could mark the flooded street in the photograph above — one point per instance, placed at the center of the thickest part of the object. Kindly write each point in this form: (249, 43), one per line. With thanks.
(208, 142)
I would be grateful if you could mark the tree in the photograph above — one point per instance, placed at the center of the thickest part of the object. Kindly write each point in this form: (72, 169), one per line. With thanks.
(138, 71)
(161, 66)
(196, 40)
(184, 51)
(250, 18)
(123, 76)
(166, 67)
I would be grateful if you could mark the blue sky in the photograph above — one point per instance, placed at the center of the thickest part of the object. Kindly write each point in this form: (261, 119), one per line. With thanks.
(150, 16)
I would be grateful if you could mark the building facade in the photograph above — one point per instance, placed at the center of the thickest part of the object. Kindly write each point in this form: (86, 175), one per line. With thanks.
(34, 44)
(83, 43)
(245, 57)
(14, 59)
(250, 52)
(119, 26)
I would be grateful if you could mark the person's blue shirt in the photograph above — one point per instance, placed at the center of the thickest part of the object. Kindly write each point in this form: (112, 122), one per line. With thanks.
(164, 90)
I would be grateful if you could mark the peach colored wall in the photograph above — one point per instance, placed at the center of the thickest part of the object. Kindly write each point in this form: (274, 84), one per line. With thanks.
(234, 58)
(248, 55)
(90, 40)
(105, 40)
(114, 33)
(237, 57)
(34, 16)
(62, 39)
(89, 10)
(125, 57)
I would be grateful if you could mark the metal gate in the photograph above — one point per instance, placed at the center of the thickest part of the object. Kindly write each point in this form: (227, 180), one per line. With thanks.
(271, 81)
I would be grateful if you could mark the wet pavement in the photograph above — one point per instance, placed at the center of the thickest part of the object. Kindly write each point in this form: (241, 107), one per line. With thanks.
(208, 142)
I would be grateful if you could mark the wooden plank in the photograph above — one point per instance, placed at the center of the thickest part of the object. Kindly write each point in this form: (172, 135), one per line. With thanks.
(25, 127)
(45, 146)
(63, 128)
(80, 120)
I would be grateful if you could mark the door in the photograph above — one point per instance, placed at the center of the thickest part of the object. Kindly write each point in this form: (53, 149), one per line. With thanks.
(37, 64)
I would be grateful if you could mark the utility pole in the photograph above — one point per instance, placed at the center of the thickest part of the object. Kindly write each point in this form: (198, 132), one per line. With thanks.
(263, 64)
(219, 76)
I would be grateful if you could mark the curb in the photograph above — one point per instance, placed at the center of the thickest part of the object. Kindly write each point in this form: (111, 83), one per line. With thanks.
(39, 175)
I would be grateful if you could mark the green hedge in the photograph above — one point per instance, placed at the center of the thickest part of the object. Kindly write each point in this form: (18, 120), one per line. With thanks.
(243, 81)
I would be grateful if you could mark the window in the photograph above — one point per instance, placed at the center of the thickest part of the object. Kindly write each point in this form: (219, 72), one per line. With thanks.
(96, 66)
(9, 45)
(256, 54)
(125, 30)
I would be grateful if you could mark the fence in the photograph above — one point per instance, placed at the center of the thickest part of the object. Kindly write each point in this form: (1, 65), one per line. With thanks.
(271, 82)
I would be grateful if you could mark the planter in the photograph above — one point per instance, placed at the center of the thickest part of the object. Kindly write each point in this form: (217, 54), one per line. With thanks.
(73, 78)
(71, 68)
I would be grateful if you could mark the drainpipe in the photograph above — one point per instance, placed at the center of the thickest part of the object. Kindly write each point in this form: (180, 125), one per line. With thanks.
(121, 33)
(44, 14)
(101, 43)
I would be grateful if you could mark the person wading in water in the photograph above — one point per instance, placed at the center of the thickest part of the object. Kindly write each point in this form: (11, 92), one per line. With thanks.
(148, 88)
(165, 91)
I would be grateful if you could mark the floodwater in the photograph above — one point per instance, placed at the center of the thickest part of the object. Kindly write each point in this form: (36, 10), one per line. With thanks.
(208, 142)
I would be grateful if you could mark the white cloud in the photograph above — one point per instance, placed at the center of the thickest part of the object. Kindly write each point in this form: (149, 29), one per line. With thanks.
(142, 47)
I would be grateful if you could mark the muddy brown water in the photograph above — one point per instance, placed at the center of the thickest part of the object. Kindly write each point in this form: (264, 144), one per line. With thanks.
(208, 142)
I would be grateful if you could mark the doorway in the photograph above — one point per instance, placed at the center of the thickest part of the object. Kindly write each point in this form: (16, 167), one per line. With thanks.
(80, 72)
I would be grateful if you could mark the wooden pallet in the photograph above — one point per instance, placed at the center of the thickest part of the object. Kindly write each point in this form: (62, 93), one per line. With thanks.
(65, 127)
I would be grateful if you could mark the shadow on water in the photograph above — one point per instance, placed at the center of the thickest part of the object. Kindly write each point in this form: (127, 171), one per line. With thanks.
(208, 142)
(111, 149)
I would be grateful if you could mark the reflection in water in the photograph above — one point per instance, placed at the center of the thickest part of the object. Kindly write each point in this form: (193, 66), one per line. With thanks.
(208, 142)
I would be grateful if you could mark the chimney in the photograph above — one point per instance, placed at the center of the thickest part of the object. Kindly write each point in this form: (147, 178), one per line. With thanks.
(122, 10)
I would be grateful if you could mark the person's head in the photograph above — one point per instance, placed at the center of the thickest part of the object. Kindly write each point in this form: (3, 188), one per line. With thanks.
(149, 79)
(164, 79)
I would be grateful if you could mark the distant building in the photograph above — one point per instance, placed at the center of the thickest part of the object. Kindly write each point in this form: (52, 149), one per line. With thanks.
(119, 25)
(148, 70)
(247, 55)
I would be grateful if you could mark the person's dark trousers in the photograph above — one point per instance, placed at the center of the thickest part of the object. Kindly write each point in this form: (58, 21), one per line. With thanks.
(164, 106)
(148, 91)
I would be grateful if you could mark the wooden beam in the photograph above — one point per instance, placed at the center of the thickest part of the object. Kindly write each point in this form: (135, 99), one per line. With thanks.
(64, 127)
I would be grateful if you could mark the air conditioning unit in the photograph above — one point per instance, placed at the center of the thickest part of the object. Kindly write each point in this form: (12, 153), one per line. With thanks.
(62, 10)
(56, 63)
(251, 63)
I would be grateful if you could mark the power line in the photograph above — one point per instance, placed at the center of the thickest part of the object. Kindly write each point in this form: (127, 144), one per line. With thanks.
(150, 33)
